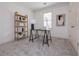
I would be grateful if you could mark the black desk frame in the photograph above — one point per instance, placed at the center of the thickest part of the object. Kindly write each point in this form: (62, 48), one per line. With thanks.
(47, 34)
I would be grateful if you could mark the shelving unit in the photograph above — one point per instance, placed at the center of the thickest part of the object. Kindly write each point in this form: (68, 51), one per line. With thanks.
(20, 26)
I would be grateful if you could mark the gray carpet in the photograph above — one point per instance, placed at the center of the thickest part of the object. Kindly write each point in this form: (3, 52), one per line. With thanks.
(58, 47)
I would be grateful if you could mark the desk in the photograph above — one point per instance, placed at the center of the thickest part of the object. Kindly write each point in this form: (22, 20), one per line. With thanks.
(47, 34)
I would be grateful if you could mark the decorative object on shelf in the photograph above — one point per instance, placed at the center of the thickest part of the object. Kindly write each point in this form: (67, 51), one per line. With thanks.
(22, 29)
(20, 18)
(20, 26)
(23, 18)
(60, 20)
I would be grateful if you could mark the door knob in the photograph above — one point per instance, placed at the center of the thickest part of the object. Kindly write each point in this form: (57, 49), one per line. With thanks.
(72, 26)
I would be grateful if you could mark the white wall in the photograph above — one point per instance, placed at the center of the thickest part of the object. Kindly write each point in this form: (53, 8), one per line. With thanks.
(7, 20)
(60, 32)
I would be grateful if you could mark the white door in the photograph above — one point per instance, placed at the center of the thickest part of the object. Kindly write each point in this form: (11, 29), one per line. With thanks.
(73, 25)
(78, 27)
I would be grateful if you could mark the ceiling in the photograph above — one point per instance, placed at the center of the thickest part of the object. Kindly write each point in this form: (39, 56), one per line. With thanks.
(36, 5)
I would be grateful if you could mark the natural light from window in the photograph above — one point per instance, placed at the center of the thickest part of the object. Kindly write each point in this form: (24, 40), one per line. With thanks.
(47, 20)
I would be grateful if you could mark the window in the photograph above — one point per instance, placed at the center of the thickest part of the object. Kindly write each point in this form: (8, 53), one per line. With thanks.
(47, 20)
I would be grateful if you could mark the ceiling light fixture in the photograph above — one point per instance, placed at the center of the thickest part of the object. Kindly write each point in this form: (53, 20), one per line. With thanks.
(44, 3)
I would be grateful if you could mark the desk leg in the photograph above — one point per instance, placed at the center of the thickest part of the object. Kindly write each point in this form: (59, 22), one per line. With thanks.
(45, 38)
(50, 36)
(31, 36)
(36, 35)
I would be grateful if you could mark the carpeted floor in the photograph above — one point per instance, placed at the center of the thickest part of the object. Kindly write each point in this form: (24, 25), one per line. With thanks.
(58, 47)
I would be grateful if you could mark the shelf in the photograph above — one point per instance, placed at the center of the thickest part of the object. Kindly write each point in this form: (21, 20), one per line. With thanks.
(22, 32)
(21, 16)
(20, 26)
(21, 21)
(21, 38)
